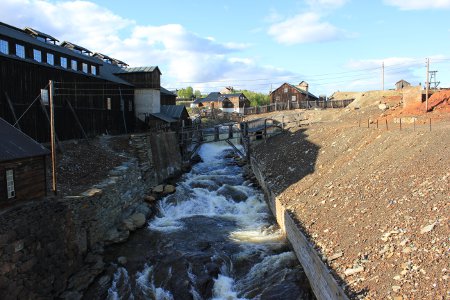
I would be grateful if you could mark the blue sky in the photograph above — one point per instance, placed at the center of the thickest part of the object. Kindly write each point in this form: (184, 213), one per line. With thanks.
(256, 45)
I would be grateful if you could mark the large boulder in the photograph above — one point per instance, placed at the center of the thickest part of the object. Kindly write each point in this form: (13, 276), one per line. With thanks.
(138, 219)
(158, 189)
(169, 189)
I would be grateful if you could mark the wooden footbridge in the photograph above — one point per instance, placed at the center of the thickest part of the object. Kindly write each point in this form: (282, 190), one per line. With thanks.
(232, 132)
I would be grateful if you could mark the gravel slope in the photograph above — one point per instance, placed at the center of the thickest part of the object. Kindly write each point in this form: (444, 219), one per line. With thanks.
(375, 202)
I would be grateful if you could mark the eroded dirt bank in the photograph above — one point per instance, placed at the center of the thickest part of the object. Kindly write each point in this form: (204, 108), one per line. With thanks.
(375, 202)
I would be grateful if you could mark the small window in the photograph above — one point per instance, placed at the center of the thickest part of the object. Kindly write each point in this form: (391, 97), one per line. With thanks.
(294, 98)
(108, 103)
(285, 89)
(93, 70)
(50, 59)
(64, 62)
(74, 65)
(4, 47)
(10, 184)
(130, 105)
(20, 50)
(84, 67)
(37, 55)
(277, 98)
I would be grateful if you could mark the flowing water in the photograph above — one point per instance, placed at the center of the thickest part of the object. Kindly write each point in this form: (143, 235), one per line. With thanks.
(214, 238)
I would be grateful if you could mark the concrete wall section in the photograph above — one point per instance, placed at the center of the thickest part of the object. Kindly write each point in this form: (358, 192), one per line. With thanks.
(322, 282)
(146, 101)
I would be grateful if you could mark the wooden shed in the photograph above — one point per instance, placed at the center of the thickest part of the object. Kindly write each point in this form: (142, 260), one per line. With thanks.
(399, 85)
(22, 166)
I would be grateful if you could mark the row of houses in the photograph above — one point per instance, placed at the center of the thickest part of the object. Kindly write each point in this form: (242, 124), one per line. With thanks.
(103, 93)
(230, 102)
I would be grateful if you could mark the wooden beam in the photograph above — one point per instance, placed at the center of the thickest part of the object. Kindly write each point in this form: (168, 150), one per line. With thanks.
(77, 120)
(11, 107)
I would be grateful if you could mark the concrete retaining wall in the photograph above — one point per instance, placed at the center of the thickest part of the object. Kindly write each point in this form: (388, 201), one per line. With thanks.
(322, 282)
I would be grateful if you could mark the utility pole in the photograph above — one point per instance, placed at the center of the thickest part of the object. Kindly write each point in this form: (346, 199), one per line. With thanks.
(52, 135)
(427, 85)
(382, 74)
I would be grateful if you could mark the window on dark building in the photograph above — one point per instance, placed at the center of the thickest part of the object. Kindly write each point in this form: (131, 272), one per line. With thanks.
(63, 62)
(294, 98)
(4, 47)
(10, 184)
(37, 55)
(285, 89)
(50, 59)
(94, 70)
(74, 65)
(84, 67)
(108, 103)
(20, 50)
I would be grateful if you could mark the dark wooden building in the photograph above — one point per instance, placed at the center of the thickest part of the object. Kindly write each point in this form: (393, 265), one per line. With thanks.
(288, 93)
(87, 91)
(22, 166)
(168, 97)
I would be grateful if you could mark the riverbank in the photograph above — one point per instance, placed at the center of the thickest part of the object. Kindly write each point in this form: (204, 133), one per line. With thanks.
(373, 202)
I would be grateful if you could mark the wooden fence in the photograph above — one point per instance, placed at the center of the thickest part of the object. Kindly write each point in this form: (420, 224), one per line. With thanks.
(297, 105)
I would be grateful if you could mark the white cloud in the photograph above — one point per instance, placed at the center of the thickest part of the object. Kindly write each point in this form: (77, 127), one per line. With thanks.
(184, 57)
(305, 28)
(418, 4)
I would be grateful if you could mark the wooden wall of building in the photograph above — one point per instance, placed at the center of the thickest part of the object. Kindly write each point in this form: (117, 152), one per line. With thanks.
(281, 95)
(143, 80)
(22, 81)
(29, 179)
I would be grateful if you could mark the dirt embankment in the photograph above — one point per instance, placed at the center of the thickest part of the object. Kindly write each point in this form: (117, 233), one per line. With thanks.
(375, 202)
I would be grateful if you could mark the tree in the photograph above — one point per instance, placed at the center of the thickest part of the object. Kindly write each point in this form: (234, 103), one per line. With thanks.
(197, 94)
(256, 99)
(186, 93)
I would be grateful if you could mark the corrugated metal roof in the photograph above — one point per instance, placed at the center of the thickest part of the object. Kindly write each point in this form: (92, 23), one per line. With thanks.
(140, 69)
(163, 117)
(174, 111)
(167, 92)
(14, 144)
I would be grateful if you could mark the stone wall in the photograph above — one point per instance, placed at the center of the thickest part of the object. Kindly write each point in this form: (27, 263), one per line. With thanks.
(52, 248)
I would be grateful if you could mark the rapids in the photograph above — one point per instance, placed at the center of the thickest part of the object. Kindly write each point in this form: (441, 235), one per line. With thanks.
(214, 238)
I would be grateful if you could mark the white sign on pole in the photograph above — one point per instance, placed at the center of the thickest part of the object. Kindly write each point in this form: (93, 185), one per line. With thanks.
(44, 96)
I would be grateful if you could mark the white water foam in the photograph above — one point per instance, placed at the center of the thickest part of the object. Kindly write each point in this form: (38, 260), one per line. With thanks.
(144, 281)
(120, 277)
(224, 288)
(189, 201)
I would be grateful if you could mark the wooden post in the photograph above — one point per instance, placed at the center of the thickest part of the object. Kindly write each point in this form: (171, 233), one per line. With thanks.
(11, 107)
(400, 123)
(230, 131)
(386, 125)
(265, 129)
(377, 123)
(414, 124)
(430, 124)
(359, 123)
(367, 123)
(427, 85)
(48, 118)
(216, 133)
(282, 123)
(52, 136)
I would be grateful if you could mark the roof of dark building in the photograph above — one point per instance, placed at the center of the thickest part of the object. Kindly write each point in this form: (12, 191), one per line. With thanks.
(173, 111)
(14, 144)
(40, 34)
(73, 46)
(141, 69)
(225, 96)
(213, 96)
(107, 72)
(299, 90)
(167, 92)
(164, 117)
(21, 35)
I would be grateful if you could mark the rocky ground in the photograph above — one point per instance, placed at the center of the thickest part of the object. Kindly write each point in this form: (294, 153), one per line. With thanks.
(81, 164)
(374, 201)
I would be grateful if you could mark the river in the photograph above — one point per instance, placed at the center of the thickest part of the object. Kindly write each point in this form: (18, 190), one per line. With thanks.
(214, 238)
